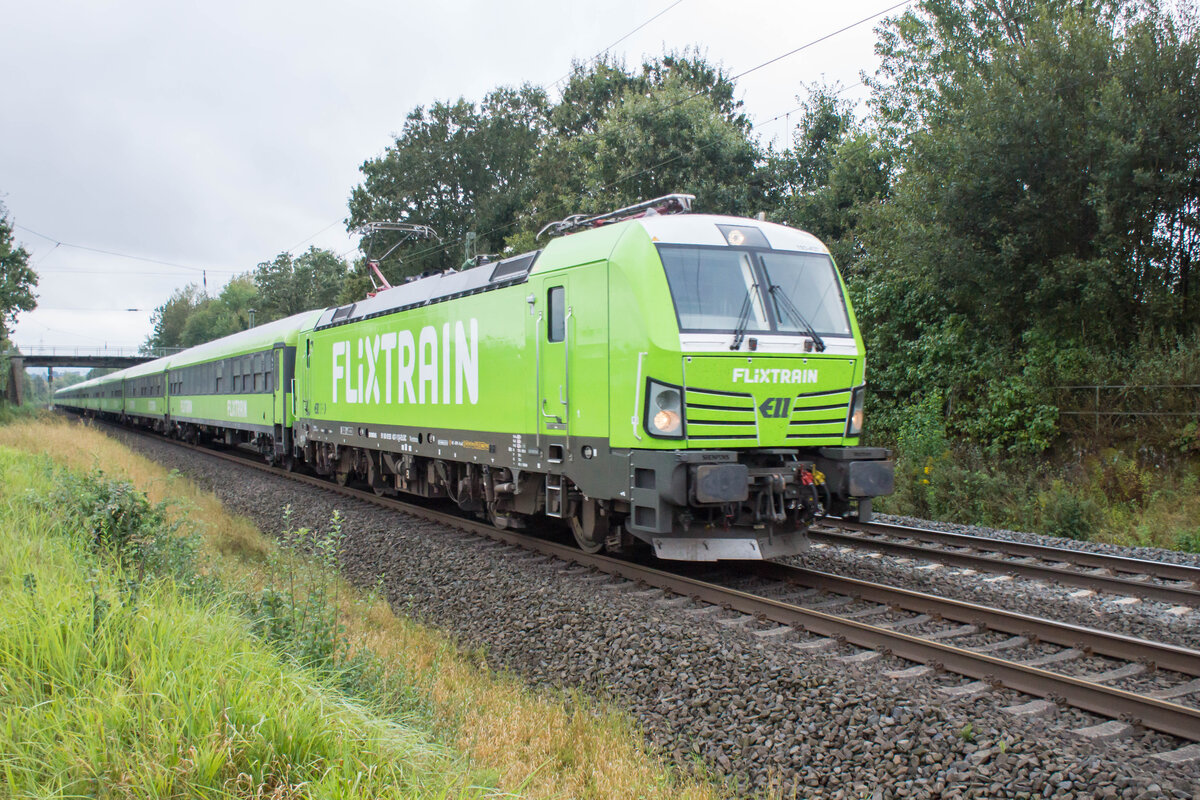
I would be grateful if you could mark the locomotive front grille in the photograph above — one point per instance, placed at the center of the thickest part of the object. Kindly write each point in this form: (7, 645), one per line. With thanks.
(720, 416)
(819, 415)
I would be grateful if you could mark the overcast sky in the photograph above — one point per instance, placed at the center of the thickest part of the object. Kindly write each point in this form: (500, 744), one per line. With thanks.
(212, 136)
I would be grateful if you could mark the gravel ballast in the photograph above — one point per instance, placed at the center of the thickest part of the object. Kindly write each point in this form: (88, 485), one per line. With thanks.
(705, 686)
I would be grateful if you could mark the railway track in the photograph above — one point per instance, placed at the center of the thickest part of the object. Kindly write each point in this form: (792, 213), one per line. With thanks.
(1176, 584)
(934, 633)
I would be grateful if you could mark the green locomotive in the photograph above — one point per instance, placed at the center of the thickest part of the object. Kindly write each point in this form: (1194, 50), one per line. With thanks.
(693, 382)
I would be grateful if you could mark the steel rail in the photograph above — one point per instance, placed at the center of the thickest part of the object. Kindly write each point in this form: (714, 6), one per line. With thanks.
(1107, 583)
(1089, 640)
(1083, 558)
(1161, 715)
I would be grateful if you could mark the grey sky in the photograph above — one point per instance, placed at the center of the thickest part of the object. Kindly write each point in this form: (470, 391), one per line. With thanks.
(216, 135)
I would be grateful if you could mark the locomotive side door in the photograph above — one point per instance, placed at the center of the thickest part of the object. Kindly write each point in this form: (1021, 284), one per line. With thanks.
(572, 358)
(552, 337)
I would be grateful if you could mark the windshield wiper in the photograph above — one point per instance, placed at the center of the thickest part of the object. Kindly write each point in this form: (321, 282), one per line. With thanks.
(782, 300)
(739, 333)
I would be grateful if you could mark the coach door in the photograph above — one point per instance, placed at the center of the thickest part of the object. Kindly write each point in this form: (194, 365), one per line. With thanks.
(280, 383)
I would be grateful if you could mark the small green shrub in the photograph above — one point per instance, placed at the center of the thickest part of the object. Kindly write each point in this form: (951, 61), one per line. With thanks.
(118, 520)
(1188, 540)
(1066, 515)
(297, 612)
(1121, 479)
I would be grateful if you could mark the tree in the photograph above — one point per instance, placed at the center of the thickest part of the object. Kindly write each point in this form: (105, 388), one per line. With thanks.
(833, 171)
(17, 279)
(1045, 198)
(457, 168)
(622, 137)
(506, 167)
(169, 319)
(287, 285)
(190, 317)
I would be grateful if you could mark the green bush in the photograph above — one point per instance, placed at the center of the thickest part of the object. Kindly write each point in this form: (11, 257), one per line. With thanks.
(1066, 515)
(1189, 540)
(118, 520)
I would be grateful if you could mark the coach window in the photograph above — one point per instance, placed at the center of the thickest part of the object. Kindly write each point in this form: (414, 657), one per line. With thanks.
(556, 328)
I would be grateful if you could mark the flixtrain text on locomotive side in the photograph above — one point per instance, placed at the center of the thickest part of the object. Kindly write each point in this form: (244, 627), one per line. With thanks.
(692, 382)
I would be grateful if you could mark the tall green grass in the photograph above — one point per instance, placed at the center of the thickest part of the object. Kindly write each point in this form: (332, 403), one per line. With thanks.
(331, 634)
(117, 684)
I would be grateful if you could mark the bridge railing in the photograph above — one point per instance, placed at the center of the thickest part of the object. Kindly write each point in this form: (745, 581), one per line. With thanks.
(90, 352)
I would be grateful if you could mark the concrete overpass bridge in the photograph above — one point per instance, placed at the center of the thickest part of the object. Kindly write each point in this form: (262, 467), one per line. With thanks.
(51, 356)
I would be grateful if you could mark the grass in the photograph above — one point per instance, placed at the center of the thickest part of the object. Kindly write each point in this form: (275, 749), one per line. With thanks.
(176, 693)
(1111, 495)
(115, 687)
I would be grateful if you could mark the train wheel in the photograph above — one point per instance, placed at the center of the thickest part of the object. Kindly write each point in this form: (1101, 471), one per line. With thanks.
(589, 527)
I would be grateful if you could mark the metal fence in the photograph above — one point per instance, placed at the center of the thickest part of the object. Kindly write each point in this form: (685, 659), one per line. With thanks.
(91, 352)
(1130, 402)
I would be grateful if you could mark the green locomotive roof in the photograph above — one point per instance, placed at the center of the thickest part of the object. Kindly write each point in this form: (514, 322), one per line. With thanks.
(433, 289)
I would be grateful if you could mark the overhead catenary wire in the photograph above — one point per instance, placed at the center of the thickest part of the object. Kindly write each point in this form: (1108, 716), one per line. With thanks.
(446, 246)
(601, 54)
(60, 243)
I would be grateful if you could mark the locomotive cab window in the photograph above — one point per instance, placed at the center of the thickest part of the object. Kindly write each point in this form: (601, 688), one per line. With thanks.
(722, 289)
(556, 328)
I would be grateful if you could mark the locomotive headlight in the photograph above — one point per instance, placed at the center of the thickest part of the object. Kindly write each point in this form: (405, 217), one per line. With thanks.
(666, 421)
(854, 423)
(664, 410)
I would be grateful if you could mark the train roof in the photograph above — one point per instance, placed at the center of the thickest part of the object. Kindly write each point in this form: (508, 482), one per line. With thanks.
(138, 370)
(713, 229)
(261, 337)
(700, 229)
(433, 288)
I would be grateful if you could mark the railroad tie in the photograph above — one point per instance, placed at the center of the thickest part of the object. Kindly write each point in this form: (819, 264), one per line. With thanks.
(972, 689)
(896, 625)
(1105, 731)
(1191, 687)
(912, 673)
(774, 633)
(1184, 756)
(858, 658)
(1034, 708)
(1007, 644)
(1127, 671)
(951, 633)
(1054, 658)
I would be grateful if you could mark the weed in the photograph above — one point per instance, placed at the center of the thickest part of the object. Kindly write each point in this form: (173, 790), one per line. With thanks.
(1066, 515)
(1189, 540)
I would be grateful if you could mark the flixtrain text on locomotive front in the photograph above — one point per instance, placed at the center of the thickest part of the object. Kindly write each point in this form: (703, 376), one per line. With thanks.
(693, 382)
